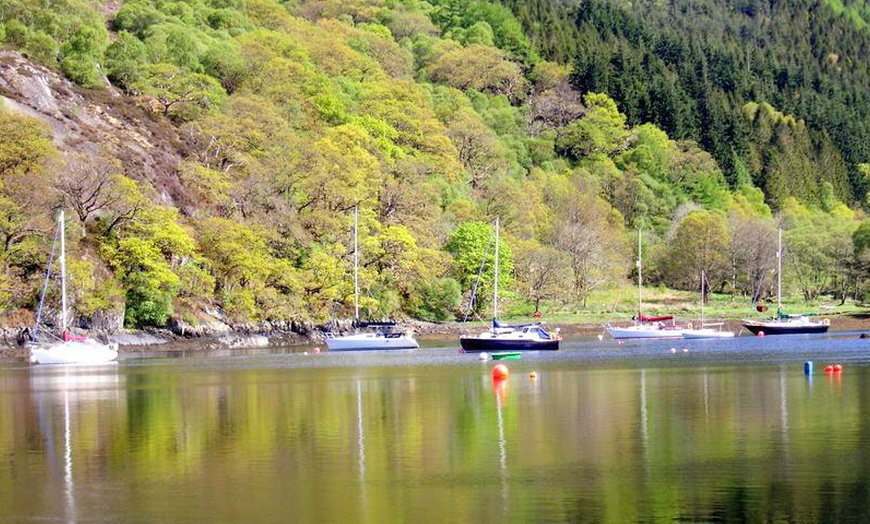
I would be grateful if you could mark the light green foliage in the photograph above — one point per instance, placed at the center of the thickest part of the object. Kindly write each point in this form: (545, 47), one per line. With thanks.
(700, 242)
(91, 290)
(324, 280)
(137, 16)
(479, 33)
(472, 245)
(150, 283)
(436, 300)
(589, 232)
(819, 248)
(240, 259)
(481, 68)
(176, 44)
(125, 58)
(25, 155)
(376, 42)
(861, 237)
(180, 94)
(145, 254)
(601, 130)
(81, 54)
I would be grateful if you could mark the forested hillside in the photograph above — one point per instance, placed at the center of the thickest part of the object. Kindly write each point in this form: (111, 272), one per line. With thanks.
(274, 120)
(692, 67)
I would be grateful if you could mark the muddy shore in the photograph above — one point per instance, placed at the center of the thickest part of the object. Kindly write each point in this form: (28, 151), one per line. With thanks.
(247, 338)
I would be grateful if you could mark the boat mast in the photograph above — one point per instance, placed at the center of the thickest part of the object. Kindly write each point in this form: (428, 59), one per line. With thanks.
(639, 264)
(779, 274)
(702, 299)
(495, 285)
(60, 225)
(356, 266)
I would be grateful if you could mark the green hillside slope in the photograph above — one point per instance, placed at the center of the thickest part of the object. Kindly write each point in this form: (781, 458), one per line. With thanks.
(275, 119)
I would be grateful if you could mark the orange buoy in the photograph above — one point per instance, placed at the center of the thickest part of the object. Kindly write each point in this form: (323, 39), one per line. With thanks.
(760, 334)
(315, 350)
(829, 369)
(499, 371)
(838, 368)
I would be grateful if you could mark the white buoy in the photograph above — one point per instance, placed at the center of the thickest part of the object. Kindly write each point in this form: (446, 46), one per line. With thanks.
(483, 356)
(600, 336)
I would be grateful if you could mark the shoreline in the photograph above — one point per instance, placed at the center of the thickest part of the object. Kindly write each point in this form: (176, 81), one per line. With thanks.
(249, 337)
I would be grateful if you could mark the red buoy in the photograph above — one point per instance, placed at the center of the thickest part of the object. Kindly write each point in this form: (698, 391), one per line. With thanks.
(499, 371)
(838, 368)
(760, 334)
(829, 369)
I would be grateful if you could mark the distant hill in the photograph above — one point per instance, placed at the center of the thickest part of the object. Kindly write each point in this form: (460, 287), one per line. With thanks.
(691, 67)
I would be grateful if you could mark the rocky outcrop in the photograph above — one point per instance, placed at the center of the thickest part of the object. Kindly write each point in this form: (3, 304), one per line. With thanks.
(97, 122)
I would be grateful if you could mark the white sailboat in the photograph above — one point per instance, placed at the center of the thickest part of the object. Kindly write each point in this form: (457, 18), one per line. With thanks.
(706, 329)
(645, 326)
(67, 348)
(784, 324)
(383, 335)
(509, 337)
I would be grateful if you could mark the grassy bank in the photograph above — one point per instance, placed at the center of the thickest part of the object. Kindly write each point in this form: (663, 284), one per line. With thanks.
(619, 305)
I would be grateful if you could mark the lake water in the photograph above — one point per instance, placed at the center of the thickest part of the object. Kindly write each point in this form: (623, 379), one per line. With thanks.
(728, 430)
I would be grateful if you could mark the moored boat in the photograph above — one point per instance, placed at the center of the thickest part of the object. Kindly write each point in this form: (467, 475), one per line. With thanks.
(787, 325)
(784, 324)
(64, 347)
(521, 337)
(504, 337)
(645, 326)
(706, 329)
(383, 335)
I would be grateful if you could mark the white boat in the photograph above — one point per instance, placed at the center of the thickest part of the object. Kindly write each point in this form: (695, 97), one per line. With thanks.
(506, 337)
(645, 326)
(383, 335)
(66, 348)
(784, 324)
(706, 329)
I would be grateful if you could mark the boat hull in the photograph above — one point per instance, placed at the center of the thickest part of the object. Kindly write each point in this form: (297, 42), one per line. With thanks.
(478, 344)
(774, 328)
(641, 332)
(370, 342)
(74, 352)
(706, 333)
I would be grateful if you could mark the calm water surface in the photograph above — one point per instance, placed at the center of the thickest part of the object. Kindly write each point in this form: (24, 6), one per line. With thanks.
(726, 430)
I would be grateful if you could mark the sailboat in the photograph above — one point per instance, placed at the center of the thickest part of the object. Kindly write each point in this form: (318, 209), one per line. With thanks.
(383, 335)
(645, 326)
(509, 337)
(706, 329)
(784, 324)
(67, 348)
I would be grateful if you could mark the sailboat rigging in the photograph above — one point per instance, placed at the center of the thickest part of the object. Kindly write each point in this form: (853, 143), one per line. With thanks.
(784, 324)
(384, 334)
(706, 329)
(509, 337)
(645, 326)
(47, 348)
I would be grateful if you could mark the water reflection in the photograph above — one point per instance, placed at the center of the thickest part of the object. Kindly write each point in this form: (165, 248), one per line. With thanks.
(430, 437)
(500, 388)
(65, 388)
